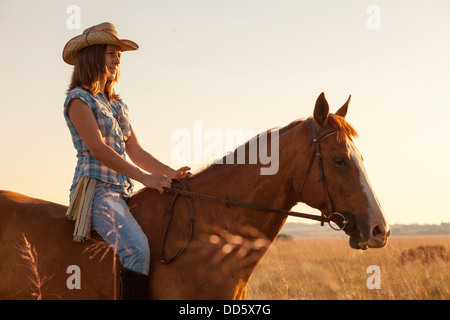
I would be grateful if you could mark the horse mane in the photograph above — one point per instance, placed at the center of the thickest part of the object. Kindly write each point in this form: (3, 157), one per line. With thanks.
(267, 133)
(344, 131)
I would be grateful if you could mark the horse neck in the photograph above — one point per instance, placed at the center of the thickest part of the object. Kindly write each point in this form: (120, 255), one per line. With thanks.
(245, 183)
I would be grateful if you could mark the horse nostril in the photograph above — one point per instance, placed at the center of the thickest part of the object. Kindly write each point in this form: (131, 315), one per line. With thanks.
(378, 232)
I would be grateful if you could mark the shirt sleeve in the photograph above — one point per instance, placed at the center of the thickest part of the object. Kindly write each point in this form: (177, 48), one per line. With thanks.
(78, 93)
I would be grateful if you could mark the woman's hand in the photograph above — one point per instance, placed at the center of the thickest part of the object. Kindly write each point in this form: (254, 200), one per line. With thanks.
(156, 181)
(180, 173)
(161, 181)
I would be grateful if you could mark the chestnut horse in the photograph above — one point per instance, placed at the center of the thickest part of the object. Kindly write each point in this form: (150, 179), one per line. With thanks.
(39, 259)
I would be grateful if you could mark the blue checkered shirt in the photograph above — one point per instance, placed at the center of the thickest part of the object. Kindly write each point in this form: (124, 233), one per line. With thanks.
(114, 124)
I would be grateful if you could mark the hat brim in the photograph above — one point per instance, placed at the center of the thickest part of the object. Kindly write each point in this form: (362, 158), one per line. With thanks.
(74, 45)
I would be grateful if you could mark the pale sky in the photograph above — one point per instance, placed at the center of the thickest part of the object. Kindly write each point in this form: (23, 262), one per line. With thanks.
(241, 64)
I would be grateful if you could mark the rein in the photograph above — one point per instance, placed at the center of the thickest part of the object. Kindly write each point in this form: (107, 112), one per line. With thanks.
(345, 218)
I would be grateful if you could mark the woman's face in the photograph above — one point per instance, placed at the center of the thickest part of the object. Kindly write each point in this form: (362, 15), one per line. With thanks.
(113, 55)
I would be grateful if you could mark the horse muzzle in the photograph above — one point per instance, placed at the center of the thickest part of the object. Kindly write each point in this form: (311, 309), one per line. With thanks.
(362, 236)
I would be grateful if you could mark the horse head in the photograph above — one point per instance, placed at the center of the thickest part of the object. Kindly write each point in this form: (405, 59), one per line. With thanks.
(339, 183)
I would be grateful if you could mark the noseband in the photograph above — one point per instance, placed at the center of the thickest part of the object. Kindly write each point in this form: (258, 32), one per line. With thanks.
(345, 221)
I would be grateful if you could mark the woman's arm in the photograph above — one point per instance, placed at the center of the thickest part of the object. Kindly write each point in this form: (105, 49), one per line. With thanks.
(84, 121)
(146, 161)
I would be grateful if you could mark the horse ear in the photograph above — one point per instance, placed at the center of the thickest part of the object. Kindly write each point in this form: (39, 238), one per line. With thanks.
(343, 110)
(321, 110)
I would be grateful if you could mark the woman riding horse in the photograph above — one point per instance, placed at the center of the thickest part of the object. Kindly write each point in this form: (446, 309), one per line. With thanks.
(102, 134)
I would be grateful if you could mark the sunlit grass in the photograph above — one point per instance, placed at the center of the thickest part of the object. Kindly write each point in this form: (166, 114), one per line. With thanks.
(30, 258)
(330, 269)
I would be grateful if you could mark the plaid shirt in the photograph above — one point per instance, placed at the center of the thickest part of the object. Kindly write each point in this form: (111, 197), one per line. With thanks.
(114, 124)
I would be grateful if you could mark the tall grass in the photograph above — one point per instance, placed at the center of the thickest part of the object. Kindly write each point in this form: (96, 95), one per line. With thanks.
(330, 269)
(411, 268)
(30, 259)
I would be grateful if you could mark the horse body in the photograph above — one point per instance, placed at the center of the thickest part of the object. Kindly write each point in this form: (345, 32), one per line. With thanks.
(227, 243)
(206, 265)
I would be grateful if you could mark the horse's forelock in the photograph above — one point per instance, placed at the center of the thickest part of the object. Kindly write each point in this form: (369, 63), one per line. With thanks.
(343, 129)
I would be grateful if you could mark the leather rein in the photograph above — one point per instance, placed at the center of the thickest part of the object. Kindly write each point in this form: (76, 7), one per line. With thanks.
(344, 219)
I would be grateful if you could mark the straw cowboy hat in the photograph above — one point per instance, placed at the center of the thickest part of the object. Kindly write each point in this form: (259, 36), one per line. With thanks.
(103, 33)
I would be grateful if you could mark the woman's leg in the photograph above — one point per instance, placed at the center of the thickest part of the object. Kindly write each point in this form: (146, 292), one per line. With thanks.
(112, 219)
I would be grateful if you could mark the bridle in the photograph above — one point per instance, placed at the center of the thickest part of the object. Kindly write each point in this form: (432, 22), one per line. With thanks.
(318, 155)
(345, 221)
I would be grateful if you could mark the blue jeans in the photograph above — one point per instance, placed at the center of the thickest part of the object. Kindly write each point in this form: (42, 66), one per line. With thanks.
(113, 221)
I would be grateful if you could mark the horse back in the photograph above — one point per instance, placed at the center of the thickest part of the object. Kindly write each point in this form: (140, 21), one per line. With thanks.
(13, 202)
(36, 243)
(20, 214)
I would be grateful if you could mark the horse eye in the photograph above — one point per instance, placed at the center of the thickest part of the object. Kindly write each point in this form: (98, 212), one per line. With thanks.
(340, 162)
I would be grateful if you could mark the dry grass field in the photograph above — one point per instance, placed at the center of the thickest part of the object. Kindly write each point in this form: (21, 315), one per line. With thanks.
(410, 268)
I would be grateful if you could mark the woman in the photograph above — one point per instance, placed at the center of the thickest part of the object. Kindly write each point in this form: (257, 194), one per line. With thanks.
(101, 132)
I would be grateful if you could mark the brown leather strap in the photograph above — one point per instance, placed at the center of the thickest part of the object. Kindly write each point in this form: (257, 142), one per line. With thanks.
(169, 218)
(228, 202)
(318, 155)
